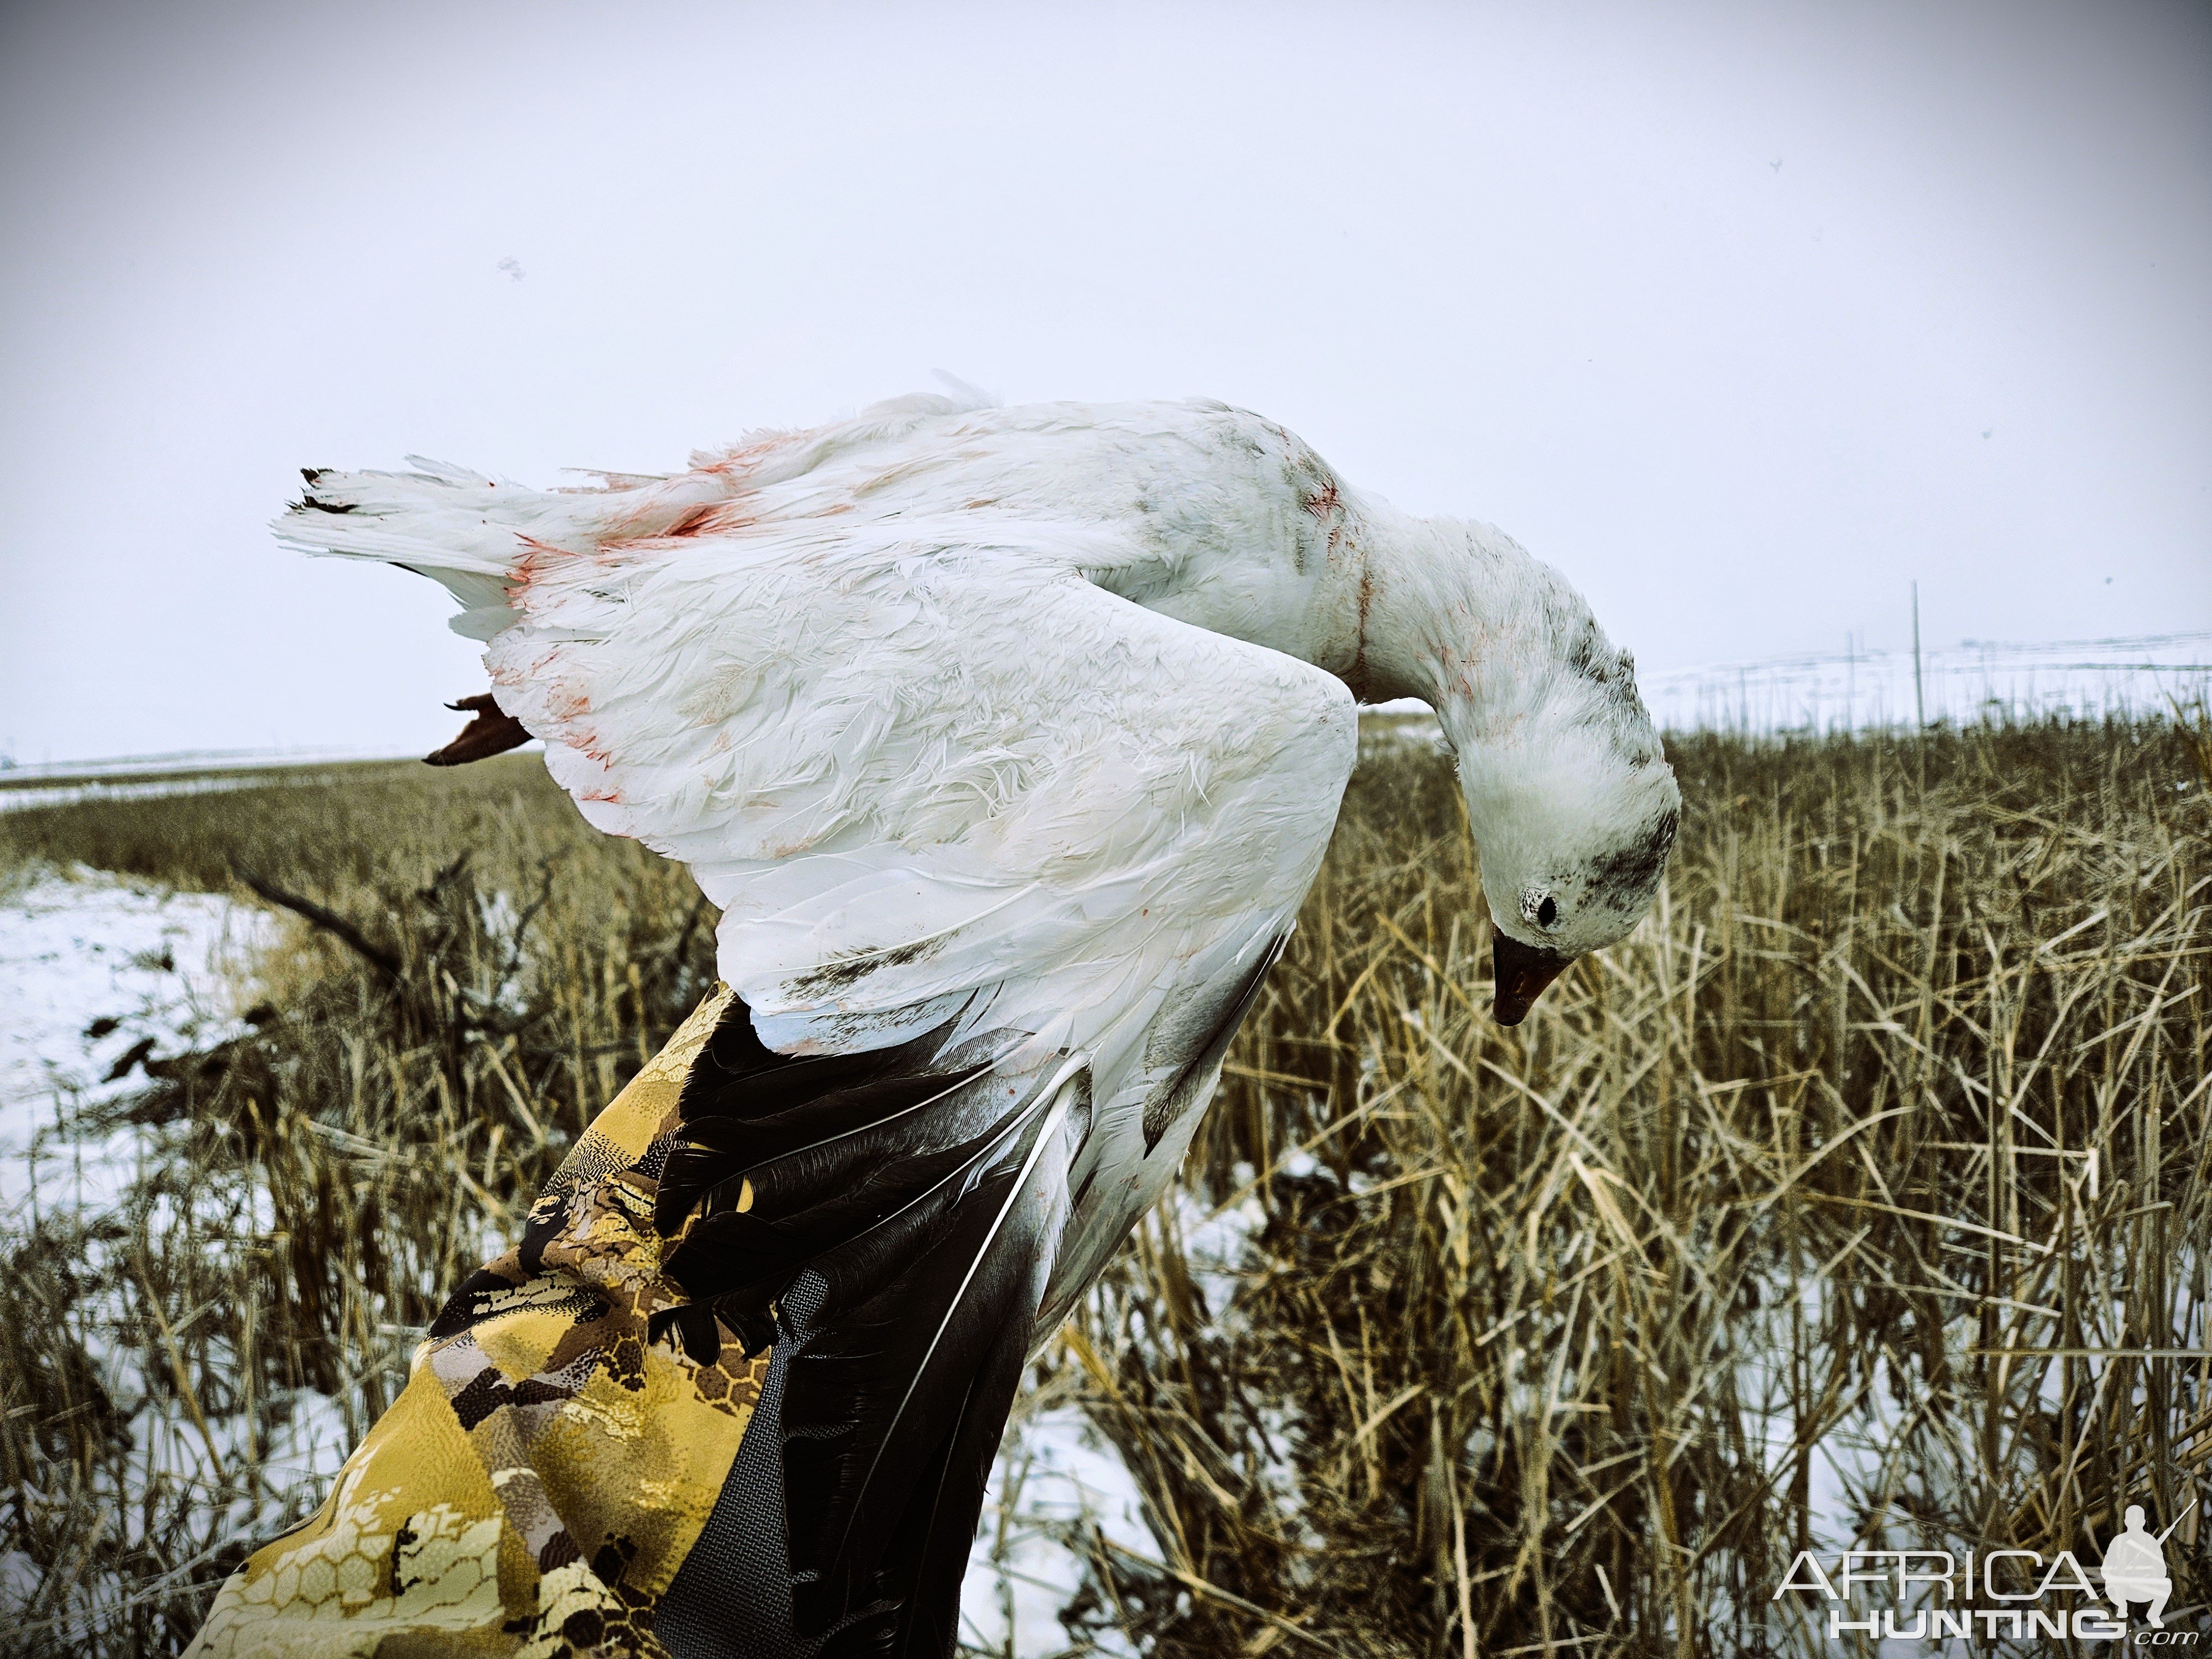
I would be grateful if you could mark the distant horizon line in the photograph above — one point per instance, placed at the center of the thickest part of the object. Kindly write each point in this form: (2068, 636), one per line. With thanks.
(2032, 654)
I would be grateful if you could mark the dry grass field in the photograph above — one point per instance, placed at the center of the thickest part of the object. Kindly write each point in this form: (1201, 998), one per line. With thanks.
(1863, 1196)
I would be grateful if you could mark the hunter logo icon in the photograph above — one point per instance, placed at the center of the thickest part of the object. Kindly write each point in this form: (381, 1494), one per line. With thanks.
(2003, 1594)
(2135, 1568)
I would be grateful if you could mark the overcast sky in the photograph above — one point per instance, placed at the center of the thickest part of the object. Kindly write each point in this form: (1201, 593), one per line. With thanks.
(1746, 316)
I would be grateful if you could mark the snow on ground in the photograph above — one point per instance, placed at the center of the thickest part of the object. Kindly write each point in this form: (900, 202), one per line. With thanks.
(1058, 1484)
(95, 970)
(1055, 1486)
(98, 974)
(141, 777)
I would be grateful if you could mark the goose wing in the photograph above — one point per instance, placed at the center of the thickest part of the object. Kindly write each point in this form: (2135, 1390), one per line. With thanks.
(982, 833)
(923, 776)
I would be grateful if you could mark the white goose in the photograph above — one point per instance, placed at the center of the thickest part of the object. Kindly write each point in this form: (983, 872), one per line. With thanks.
(1009, 741)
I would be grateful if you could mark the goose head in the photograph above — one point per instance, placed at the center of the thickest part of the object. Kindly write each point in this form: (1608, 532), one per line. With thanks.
(1573, 833)
(1572, 804)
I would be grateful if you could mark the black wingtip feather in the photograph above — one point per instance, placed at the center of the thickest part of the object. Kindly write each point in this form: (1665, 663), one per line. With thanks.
(892, 1235)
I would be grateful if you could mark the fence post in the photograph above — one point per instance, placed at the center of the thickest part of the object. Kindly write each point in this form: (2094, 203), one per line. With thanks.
(1919, 697)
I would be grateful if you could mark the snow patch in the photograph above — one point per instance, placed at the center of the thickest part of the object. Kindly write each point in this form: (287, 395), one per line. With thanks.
(1056, 1487)
(96, 969)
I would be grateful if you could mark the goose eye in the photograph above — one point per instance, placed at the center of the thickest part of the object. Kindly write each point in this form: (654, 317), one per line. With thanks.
(1548, 913)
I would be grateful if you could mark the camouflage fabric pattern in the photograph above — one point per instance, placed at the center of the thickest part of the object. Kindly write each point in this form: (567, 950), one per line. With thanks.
(539, 1480)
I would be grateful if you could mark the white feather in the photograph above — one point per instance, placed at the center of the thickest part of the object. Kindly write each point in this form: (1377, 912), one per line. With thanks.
(1038, 715)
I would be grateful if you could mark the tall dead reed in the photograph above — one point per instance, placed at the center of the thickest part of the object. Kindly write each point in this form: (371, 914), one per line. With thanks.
(1860, 1197)
(472, 975)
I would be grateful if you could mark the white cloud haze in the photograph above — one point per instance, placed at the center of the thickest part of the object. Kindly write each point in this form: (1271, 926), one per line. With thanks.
(1743, 315)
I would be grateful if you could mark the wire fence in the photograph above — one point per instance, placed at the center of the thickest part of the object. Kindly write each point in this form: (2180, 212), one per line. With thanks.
(1859, 687)
(1974, 682)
